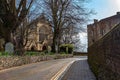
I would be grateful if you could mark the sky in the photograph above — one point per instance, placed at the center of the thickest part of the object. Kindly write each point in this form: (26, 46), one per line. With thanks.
(103, 9)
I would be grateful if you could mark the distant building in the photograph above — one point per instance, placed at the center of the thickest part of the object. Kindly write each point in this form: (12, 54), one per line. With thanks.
(99, 28)
(41, 35)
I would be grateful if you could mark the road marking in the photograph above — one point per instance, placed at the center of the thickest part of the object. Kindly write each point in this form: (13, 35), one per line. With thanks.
(61, 71)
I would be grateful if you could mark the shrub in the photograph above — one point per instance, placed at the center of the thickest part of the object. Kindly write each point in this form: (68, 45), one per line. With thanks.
(49, 49)
(67, 48)
(0, 53)
(42, 53)
(45, 51)
(62, 52)
(51, 53)
(32, 53)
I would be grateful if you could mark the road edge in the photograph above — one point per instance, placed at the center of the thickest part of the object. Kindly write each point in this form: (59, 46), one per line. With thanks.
(62, 71)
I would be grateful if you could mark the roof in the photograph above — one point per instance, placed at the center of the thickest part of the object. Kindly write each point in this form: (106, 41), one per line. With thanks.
(42, 19)
(107, 19)
(111, 17)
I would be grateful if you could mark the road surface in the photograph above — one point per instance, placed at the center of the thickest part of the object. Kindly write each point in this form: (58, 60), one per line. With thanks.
(46, 70)
(36, 71)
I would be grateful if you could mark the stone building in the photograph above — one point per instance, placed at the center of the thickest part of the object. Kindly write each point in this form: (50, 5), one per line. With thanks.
(99, 28)
(41, 35)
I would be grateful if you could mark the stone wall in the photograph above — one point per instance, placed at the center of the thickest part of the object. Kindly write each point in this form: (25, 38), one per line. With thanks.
(104, 56)
(100, 28)
(12, 61)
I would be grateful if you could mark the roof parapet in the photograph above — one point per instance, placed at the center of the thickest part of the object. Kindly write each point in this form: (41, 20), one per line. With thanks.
(95, 20)
(118, 13)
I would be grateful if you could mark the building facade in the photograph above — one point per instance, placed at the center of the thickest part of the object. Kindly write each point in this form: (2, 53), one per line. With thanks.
(99, 28)
(39, 38)
(41, 35)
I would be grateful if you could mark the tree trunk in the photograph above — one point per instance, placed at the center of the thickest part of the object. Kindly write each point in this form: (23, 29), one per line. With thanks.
(59, 43)
(55, 46)
(20, 48)
(7, 37)
(20, 51)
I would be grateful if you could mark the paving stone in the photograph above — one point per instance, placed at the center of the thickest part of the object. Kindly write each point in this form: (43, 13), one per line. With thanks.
(79, 70)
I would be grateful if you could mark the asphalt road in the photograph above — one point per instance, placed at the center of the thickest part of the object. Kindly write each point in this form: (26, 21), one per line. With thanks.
(36, 71)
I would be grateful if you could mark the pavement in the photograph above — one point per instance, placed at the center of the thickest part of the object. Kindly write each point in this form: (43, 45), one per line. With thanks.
(51, 70)
(79, 70)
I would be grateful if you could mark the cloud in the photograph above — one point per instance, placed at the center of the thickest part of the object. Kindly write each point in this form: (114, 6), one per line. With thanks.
(114, 4)
(83, 37)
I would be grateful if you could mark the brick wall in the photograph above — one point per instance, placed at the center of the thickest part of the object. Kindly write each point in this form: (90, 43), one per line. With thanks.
(104, 56)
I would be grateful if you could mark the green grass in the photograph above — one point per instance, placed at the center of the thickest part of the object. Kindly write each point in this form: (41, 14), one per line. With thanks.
(6, 54)
(33, 53)
(39, 53)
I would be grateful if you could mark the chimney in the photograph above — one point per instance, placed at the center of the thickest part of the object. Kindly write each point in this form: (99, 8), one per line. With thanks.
(118, 13)
(95, 20)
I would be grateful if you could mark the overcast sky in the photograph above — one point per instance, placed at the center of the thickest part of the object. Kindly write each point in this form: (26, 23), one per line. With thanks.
(103, 8)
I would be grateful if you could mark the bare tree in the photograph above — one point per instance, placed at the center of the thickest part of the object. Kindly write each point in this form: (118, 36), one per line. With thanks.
(12, 14)
(21, 36)
(69, 35)
(63, 13)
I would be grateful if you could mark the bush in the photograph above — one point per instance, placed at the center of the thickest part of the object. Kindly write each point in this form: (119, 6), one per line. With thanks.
(50, 53)
(62, 52)
(49, 49)
(42, 53)
(45, 51)
(32, 53)
(0, 53)
(67, 48)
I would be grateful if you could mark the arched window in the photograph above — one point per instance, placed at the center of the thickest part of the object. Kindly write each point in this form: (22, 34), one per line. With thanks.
(42, 35)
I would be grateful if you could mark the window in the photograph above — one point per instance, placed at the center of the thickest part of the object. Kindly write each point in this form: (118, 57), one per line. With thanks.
(42, 35)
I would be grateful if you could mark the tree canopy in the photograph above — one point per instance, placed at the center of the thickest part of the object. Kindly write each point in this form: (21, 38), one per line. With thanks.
(12, 14)
(63, 14)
